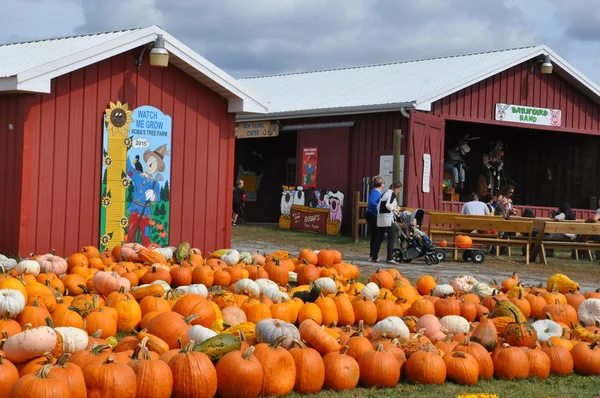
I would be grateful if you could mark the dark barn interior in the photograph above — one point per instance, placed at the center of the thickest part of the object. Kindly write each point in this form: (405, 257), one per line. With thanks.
(274, 162)
(546, 167)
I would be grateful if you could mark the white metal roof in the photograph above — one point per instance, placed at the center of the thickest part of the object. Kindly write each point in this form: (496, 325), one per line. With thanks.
(410, 84)
(30, 66)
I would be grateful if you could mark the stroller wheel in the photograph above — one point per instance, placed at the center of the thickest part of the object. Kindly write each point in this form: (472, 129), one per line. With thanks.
(428, 260)
(467, 255)
(434, 260)
(397, 255)
(440, 255)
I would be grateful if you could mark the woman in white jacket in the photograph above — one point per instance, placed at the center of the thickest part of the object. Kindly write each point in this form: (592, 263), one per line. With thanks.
(388, 204)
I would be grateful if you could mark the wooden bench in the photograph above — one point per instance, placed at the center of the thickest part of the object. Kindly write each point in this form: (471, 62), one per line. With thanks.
(582, 232)
(442, 223)
(524, 228)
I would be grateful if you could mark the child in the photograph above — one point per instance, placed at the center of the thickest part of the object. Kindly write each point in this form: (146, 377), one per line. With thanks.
(238, 194)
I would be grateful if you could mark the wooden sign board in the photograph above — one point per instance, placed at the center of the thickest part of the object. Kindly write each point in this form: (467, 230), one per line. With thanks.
(263, 129)
(309, 219)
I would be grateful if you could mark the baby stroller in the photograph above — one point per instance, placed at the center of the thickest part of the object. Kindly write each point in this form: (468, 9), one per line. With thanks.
(413, 242)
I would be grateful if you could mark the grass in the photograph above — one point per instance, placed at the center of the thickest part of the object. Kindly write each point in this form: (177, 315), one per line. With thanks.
(555, 386)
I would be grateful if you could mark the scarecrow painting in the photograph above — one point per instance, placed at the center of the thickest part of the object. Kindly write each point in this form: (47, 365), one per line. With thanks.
(136, 171)
(146, 191)
(309, 167)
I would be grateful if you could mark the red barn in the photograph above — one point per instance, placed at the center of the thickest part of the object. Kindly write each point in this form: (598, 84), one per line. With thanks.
(349, 115)
(55, 93)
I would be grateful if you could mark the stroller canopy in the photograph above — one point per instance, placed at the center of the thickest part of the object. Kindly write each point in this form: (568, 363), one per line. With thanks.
(407, 217)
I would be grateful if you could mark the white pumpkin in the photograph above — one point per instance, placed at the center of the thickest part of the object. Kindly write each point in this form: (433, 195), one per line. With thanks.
(29, 344)
(464, 283)
(164, 284)
(370, 291)
(28, 267)
(392, 327)
(232, 257)
(276, 295)
(8, 264)
(247, 287)
(264, 284)
(74, 339)
(482, 289)
(245, 258)
(166, 252)
(292, 276)
(199, 333)
(546, 328)
(327, 285)
(455, 324)
(442, 290)
(589, 311)
(11, 301)
(198, 289)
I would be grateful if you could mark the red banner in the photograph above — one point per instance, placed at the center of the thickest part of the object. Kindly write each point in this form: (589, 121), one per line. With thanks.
(309, 168)
(309, 219)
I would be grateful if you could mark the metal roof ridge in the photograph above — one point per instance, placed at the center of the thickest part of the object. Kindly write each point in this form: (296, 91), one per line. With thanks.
(391, 63)
(76, 36)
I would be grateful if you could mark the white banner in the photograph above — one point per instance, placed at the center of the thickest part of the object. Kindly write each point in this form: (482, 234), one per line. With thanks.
(528, 115)
(426, 172)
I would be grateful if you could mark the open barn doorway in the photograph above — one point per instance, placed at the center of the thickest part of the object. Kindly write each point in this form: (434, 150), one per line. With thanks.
(545, 166)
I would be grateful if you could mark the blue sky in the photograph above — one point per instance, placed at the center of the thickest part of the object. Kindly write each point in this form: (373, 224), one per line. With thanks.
(259, 37)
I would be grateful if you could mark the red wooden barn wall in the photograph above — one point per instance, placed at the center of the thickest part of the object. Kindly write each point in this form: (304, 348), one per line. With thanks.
(11, 142)
(370, 137)
(63, 139)
(332, 157)
(520, 87)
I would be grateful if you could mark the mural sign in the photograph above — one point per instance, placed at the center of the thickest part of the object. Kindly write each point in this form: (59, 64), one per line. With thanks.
(311, 209)
(309, 167)
(528, 115)
(136, 170)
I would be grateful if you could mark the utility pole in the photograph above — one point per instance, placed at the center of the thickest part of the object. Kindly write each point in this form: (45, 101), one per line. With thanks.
(397, 149)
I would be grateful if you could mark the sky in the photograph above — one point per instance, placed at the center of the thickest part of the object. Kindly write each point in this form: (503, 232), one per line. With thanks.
(264, 37)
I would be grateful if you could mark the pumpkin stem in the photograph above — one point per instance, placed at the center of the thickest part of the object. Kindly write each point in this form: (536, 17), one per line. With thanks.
(96, 350)
(379, 347)
(190, 318)
(299, 343)
(187, 348)
(249, 351)
(43, 372)
(27, 326)
(84, 288)
(97, 334)
(344, 350)
(459, 354)
(6, 316)
(49, 322)
(515, 315)
(62, 360)
(548, 316)
(277, 342)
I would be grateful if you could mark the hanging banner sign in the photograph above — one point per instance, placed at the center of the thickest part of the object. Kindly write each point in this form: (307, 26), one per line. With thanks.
(136, 170)
(528, 115)
(262, 129)
(426, 172)
(309, 167)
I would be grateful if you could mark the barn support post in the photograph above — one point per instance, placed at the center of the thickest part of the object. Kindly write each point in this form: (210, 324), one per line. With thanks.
(397, 151)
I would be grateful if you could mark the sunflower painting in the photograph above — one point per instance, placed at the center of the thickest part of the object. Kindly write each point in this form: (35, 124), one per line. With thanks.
(117, 120)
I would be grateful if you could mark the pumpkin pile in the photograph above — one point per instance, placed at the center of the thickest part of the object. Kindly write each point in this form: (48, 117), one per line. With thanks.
(276, 323)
